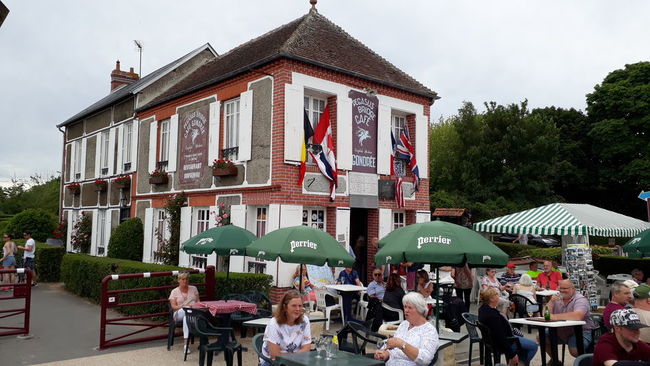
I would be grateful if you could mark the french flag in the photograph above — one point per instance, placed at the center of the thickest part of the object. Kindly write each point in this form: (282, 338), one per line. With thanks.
(326, 158)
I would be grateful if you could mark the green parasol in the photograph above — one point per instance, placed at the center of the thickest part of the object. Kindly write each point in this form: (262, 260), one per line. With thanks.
(638, 246)
(224, 240)
(301, 244)
(439, 243)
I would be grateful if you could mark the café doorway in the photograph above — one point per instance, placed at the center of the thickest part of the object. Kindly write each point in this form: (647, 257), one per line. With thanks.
(359, 241)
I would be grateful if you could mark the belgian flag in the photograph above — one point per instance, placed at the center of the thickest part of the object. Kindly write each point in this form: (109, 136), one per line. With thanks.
(309, 132)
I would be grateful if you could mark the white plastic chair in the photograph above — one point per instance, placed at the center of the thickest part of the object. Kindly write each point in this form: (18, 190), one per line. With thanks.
(327, 310)
(400, 314)
(362, 306)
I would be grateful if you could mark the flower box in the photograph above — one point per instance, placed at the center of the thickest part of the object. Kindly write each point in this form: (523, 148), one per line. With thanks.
(74, 188)
(158, 177)
(122, 181)
(220, 172)
(100, 185)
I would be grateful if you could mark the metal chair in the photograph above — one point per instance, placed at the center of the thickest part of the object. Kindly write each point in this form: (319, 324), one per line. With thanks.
(321, 304)
(199, 323)
(258, 343)
(474, 337)
(400, 313)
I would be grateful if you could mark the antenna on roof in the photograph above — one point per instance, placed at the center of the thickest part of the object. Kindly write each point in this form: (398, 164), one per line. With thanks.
(138, 45)
(313, 4)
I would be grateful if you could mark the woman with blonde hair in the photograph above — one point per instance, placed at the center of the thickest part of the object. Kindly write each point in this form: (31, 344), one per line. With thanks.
(288, 331)
(8, 260)
(501, 330)
(182, 296)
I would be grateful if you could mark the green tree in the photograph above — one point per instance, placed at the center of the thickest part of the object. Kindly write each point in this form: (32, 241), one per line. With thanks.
(35, 193)
(619, 111)
(39, 222)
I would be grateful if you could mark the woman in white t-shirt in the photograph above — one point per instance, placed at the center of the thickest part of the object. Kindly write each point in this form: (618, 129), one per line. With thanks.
(288, 331)
(183, 295)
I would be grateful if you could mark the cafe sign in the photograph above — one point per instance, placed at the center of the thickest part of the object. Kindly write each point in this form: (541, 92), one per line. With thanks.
(364, 132)
(194, 145)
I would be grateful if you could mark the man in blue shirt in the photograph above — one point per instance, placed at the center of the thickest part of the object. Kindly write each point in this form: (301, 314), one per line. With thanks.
(348, 276)
(376, 290)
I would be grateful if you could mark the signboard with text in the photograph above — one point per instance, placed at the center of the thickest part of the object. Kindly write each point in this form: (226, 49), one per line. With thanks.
(364, 132)
(193, 144)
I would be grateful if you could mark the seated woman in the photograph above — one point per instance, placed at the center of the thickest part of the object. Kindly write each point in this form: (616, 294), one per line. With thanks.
(490, 280)
(500, 330)
(182, 296)
(288, 331)
(393, 296)
(305, 288)
(416, 340)
(424, 285)
(526, 289)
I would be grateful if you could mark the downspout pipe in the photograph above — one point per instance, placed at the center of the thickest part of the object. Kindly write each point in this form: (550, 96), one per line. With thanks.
(62, 175)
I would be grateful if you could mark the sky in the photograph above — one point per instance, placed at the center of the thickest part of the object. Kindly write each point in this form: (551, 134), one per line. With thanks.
(56, 56)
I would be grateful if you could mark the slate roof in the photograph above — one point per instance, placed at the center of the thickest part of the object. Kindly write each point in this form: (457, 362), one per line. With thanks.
(313, 39)
(132, 88)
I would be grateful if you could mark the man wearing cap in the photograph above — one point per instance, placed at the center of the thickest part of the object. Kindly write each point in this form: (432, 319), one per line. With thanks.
(623, 344)
(621, 296)
(510, 278)
(571, 305)
(642, 307)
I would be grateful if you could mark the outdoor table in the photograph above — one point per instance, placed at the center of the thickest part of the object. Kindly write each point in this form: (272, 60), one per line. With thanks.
(340, 358)
(346, 292)
(263, 322)
(454, 337)
(226, 306)
(552, 326)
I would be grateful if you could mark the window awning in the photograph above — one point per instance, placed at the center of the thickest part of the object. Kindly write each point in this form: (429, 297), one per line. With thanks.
(565, 219)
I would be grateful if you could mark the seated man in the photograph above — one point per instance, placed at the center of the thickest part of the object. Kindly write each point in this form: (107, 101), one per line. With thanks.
(533, 271)
(642, 307)
(621, 296)
(348, 276)
(570, 305)
(376, 290)
(548, 280)
(623, 344)
(510, 278)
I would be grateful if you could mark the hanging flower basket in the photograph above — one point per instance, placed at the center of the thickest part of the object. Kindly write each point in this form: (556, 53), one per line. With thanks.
(74, 188)
(158, 177)
(123, 181)
(100, 185)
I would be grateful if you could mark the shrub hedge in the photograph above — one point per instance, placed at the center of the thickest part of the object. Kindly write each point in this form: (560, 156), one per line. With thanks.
(48, 260)
(40, 222)
(82, 275)
(127, 240)
(611, 264)
(554, 254)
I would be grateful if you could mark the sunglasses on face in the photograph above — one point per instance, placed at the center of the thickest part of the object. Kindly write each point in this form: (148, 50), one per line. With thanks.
(376, 274)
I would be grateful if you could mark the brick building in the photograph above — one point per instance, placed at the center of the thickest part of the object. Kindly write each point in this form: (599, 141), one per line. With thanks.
(248, 105)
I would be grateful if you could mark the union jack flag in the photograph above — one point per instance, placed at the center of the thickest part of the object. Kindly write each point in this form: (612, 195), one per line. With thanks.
(399, 191)
(406, 151)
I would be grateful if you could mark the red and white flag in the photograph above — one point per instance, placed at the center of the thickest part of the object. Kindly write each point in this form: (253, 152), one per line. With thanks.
(326, 158)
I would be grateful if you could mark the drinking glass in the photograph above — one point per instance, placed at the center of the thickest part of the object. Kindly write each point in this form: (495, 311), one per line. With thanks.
(328, 349)
(320, 346)
(381, 344)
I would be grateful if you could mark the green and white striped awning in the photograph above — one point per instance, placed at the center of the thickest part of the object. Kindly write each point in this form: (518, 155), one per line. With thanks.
(565, 219)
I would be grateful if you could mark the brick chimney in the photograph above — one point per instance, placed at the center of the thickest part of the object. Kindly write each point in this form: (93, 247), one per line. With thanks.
(119, 77)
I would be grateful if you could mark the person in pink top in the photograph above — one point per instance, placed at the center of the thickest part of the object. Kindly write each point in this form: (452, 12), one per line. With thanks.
(182, 296)
(621, 296)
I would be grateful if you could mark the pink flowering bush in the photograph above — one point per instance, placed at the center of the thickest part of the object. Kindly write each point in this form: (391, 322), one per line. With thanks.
(81, 234)
(223, 217)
